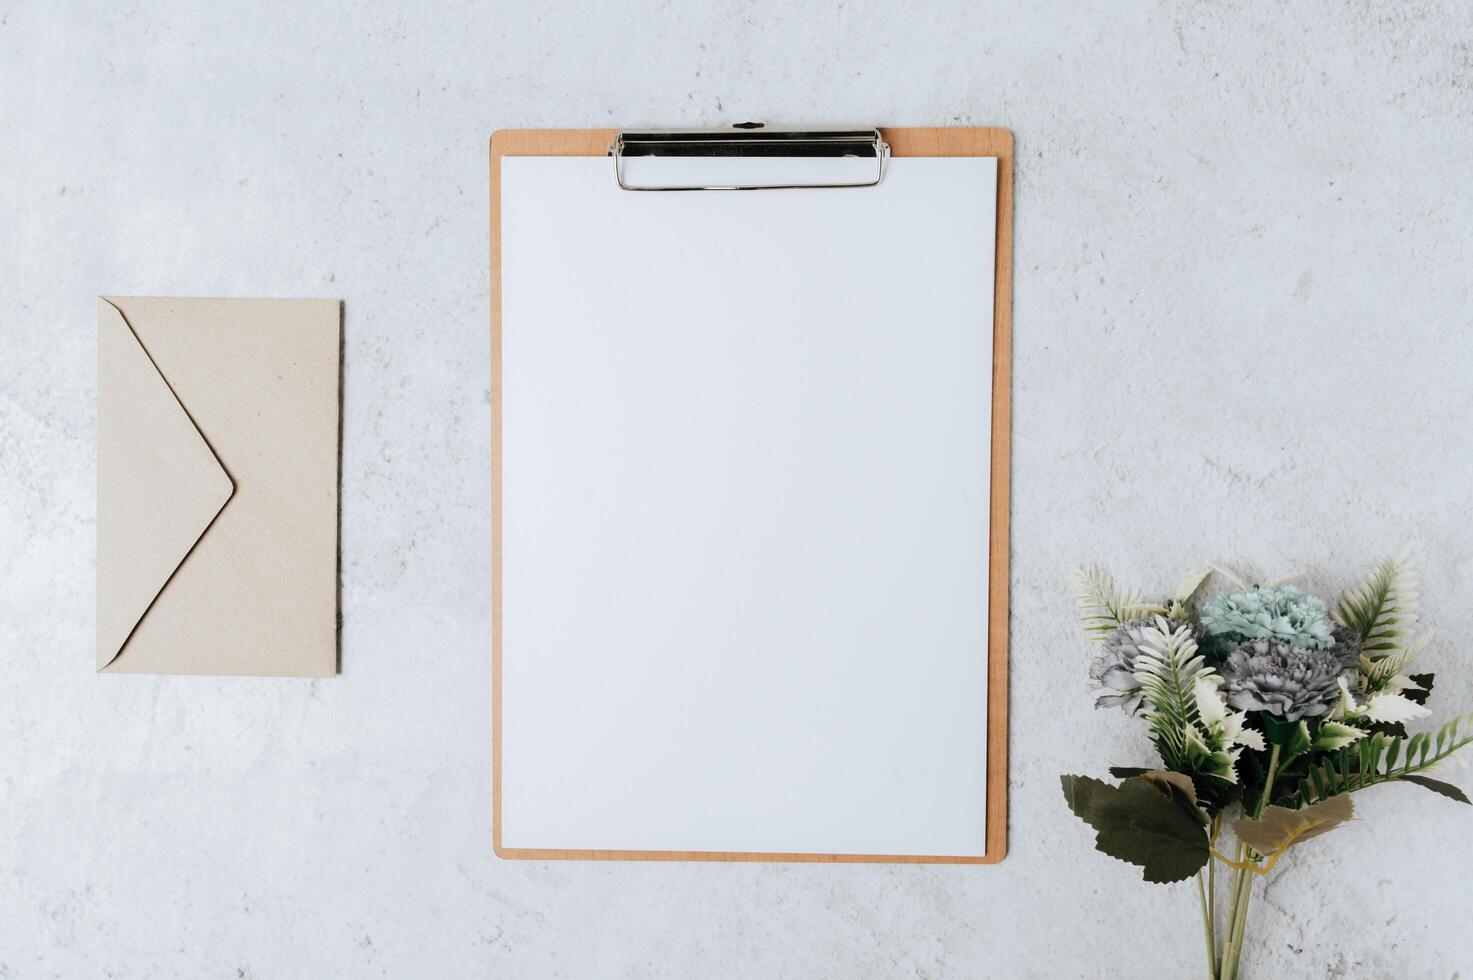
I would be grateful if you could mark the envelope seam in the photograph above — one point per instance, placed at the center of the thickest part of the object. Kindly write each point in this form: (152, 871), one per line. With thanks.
(179, 401)
(206, 529)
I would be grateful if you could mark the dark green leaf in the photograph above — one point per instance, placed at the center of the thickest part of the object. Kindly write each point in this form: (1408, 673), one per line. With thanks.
(1214, 794)
(1252, 770)
(1417, 747)
(1179, 788)
(1138, 824)
(1393, 753)
(1392, 728)
(1419, 697)
(1438, 786)
(1215, 649)
(1324, 779)
(1279, 731)
(1126, 772)
(1295, 744)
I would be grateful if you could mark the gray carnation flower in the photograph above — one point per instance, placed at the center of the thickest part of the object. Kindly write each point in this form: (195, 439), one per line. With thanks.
(1113, 667)
(1348, 647)
(1291, 682)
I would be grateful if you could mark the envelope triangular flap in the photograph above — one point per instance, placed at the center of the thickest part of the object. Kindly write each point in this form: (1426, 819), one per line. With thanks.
(159, 484)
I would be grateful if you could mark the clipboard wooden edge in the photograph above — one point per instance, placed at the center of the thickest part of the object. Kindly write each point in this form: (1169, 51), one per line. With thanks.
(913, 142)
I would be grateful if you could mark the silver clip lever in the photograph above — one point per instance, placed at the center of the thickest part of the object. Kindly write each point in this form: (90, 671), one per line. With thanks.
(750, 140)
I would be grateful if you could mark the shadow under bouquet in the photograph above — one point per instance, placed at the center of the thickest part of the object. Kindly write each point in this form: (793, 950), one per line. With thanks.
(1268, 709)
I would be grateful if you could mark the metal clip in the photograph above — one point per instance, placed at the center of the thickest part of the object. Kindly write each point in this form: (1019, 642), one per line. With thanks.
(750, 140)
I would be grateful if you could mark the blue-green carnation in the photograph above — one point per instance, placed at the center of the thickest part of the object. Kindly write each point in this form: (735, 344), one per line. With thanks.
(1280, 612)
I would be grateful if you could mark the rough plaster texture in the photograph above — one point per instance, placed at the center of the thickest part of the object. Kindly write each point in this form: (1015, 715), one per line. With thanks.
(1243, 332)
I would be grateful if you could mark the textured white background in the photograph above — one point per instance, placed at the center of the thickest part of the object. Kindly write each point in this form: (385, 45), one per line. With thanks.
(1243, 332)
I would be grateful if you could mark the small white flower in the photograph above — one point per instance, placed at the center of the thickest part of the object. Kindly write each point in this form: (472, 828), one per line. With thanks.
(1393, 708)
(1390, 708)
(1334, 735)
(1225, 733)
(1210, 705)
(1236, 734)
(1402, 682)
(1346, 706)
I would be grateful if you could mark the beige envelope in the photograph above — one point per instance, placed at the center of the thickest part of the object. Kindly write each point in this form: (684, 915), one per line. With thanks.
(217, 486)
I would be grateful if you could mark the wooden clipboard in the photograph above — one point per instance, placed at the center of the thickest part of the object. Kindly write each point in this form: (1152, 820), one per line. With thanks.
(903, 142)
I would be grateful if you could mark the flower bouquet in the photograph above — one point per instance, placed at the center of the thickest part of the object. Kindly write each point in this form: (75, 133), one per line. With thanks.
(1268, 710)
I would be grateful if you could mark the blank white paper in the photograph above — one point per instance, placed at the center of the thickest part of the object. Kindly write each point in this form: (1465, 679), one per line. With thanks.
(745, 496)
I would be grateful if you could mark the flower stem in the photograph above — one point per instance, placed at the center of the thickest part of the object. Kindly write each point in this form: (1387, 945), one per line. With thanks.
(1233, 951)
(1212, 900)
(1212, 903)
(1243, 883)
(1207, 929)
(1268, 784)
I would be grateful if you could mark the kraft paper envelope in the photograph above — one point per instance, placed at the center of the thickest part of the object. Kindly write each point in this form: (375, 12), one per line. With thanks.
(217, 486)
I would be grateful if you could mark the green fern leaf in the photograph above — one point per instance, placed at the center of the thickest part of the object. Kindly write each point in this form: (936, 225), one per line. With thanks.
(1383, 759)
(1102, 607)
(1167, 668)
(1393, 752)
(1322, 782)
(1397, 660)
(1383, 609)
